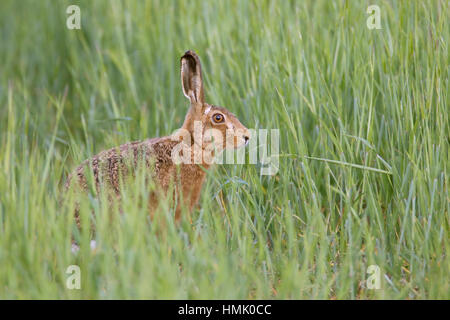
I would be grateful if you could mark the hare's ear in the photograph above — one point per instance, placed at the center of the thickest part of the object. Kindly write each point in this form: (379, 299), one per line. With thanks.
(191, 78)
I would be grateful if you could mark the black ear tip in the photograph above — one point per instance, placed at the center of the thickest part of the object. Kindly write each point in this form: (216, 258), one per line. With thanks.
(190, 54)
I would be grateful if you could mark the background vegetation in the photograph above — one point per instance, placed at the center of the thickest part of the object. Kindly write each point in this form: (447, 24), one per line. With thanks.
(347, 100)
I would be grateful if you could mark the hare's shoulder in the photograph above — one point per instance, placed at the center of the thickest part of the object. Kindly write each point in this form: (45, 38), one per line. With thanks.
(159, 149)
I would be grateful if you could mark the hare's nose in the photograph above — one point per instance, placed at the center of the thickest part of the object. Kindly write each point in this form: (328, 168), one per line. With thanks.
(246, 138)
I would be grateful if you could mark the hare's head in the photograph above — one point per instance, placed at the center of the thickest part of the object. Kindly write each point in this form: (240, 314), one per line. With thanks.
(218, 127)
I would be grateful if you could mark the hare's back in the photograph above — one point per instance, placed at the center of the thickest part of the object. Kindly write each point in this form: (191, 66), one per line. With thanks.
(110, 167)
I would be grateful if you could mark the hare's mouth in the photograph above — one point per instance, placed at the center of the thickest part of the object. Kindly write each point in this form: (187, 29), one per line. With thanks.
(246, 140)
(241, 142)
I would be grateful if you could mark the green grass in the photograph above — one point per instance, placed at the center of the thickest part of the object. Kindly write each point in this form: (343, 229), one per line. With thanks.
(364, 165)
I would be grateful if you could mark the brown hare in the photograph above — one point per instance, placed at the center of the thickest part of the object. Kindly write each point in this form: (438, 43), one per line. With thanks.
(179, 160)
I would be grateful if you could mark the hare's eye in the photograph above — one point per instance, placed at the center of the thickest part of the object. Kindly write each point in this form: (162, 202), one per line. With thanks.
(218, 118)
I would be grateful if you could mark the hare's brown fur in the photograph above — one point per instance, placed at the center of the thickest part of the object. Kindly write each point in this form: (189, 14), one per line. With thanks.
(112, 167)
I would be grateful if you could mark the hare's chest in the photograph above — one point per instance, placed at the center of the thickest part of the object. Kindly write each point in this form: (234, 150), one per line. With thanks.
(192, 174)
